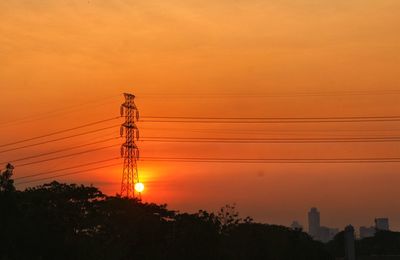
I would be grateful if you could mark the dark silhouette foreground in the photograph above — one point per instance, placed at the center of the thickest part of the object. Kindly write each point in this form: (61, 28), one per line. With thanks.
(60, 221)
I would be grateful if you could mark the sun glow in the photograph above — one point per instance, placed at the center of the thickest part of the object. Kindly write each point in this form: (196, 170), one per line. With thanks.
(139, 187)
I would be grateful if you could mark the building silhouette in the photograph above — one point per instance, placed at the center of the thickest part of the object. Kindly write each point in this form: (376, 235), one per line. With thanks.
(296, 225)
(349, 248)
(382, 224)
(367, 232)
(317, 231)
(326, 234)
(313, 222)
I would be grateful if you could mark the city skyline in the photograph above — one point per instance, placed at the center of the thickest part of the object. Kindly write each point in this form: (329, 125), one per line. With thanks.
(325, 234)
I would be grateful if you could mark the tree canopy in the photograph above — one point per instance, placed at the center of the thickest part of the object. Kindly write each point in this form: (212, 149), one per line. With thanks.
(69, 221)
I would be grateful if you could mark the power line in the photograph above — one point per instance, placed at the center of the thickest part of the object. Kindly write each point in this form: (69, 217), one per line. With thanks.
(271, 160)
(60, 131)
(67, 168)
(61, 150)
(71, 173)
(265, 162)
(220, 160)
(272, 140)
(268, 142)
(53, 113)
(227, 121)
(274, 159)
(229, 160)
(273, 118)
(77, 107)
(265, 131)
(272, 94)
(65, 156)
(58, 139)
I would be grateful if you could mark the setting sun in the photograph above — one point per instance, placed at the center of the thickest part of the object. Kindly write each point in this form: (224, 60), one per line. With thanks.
(139, 187)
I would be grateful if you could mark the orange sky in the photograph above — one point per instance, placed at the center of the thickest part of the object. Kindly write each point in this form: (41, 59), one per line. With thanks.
(274, 58)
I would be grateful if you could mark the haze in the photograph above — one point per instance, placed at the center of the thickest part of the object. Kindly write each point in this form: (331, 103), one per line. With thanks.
(65, 63)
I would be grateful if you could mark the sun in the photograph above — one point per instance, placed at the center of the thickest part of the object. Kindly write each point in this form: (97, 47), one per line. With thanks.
(139, 187)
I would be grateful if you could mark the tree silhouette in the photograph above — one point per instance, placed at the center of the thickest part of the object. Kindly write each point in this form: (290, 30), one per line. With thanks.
(68, 221)
(6, 182)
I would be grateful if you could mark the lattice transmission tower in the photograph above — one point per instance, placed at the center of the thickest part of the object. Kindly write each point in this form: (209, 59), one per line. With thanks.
(129, 150)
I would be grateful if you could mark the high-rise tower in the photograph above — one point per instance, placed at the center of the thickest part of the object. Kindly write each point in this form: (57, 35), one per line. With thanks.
(382, 224)
(313, 222)
(129, 150)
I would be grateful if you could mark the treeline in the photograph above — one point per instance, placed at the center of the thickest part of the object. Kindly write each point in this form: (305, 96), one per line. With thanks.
(384, 243)
(60, 221)
(67, 221)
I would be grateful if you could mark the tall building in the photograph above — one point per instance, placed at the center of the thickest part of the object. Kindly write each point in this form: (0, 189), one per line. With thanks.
(366, 232)
(296, 225)
(326, 234)
(349, 247)
(382, 224)
(313, 222)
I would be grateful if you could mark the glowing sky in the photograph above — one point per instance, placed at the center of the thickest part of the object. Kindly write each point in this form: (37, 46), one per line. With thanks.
(297, 58)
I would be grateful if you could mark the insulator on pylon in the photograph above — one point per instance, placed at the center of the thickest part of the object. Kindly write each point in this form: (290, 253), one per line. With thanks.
(121, 131)
(137, 114)
(121, 110)
(122, 151)
(137, 134)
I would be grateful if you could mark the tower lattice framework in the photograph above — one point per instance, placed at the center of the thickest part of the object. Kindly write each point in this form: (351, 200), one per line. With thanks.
(129, 150)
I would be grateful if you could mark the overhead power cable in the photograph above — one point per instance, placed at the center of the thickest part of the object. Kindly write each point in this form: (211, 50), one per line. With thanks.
(59, 151)
(231, 160)
(60, 111)
(274, 118)
(59, 139)
(60, 131)
(272, 140)
(70, 173)
(272, 160)
(274, 94)
(267, 162)
(271, 121)
(266, 131)
(67, 168)
(68, 155)
(263, 139)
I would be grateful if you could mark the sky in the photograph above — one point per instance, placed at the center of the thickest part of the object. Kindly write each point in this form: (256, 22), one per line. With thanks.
(67, 63)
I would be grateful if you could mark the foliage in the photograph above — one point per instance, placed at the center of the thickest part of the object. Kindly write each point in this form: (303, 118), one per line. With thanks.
(383, 243)
(6, 182)
(61, 221)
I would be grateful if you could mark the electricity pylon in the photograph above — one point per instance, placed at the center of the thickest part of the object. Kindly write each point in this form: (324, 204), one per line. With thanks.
(129, 150)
